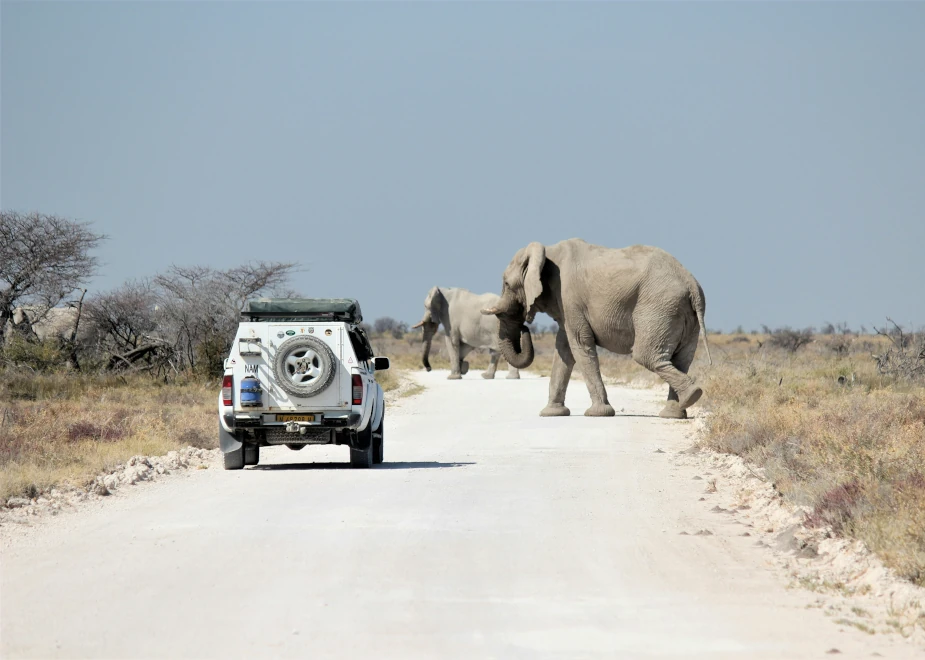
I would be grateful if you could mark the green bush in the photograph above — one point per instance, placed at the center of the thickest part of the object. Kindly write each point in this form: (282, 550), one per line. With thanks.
(35, 355)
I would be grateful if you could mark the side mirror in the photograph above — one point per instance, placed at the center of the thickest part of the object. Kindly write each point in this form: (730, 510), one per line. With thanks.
(381, 363)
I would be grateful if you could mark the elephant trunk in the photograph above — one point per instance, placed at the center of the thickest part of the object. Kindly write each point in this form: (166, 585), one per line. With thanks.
(517, 347)
(430, 329)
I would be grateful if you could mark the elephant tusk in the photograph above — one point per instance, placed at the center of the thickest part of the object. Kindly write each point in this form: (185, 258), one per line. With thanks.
(491, 310)
(415, 327)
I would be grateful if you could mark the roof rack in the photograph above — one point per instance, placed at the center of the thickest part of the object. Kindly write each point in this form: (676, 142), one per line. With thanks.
(303, 309)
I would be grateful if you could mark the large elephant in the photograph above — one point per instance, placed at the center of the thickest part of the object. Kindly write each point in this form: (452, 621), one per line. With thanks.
(637, 300)
(459, 311)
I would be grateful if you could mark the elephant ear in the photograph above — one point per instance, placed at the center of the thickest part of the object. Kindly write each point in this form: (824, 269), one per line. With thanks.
(534, 260)
(436, 304)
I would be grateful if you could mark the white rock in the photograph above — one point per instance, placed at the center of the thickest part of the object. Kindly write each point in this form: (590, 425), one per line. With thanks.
(136, 474)
(16, 502)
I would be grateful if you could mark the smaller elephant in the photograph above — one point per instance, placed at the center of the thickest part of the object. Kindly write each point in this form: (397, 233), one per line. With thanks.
(466, 328)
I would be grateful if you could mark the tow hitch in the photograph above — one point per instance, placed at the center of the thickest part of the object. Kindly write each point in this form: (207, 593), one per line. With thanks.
(298, 427)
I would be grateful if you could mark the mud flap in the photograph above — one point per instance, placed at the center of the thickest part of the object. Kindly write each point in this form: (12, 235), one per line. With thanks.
(227, 441)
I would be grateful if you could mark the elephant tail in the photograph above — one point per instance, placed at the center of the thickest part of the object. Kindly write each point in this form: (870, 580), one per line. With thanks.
(699, 304)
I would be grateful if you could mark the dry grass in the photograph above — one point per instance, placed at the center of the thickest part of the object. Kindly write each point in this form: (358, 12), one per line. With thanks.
(389, 380)
(60, 429)
(853, 451)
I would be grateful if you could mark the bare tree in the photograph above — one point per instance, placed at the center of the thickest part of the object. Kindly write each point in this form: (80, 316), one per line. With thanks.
(123, 316)
(788, 338)
(43, 260)
(198, 307)
(122, 327)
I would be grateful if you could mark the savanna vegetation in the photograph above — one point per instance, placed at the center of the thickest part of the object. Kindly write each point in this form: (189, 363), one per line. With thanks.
(89, 379)
(836, 419)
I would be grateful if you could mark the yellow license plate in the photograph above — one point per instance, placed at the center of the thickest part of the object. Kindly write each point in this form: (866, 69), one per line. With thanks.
(295, 418)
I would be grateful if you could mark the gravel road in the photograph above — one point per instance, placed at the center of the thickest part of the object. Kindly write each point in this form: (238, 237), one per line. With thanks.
(489, 532)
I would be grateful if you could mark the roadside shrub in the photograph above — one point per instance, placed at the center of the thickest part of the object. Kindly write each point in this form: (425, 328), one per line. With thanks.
(789, 339)
(47, 355)
(19, 385)
(836, 507)
(84, 430)
(905, 357)
(840, 344)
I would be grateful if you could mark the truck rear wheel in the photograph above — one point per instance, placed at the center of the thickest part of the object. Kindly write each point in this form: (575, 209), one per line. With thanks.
(379, 442)
(234, 460)
(360, 457)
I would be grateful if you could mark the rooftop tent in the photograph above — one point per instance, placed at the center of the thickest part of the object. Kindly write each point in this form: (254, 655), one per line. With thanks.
(303, 309)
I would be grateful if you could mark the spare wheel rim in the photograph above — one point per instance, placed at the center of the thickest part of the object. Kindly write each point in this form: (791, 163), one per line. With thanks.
(303, 365)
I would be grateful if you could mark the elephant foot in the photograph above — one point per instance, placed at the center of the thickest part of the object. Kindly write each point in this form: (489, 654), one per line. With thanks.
(555, 410)
(464, 368)
(454, 377)
(600, 410)
(427, 368)
(689, 397)
(673, 411)
(488, 375)
(513, 375)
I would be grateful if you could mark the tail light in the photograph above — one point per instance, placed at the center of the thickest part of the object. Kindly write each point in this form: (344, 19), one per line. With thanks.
(357, 390)
(227, 386)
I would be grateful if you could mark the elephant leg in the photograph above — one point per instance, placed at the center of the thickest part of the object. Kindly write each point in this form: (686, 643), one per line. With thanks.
(452, 348)
(492, 365)
(681, 387)
(464, 350)
(562, 363)
(513, 373)
(681, 361)
(585, 351)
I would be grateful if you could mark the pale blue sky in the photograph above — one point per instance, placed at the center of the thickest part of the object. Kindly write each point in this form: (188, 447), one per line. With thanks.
(778, 150)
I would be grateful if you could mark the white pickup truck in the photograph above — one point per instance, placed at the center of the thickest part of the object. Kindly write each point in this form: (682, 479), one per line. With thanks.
(301, 372)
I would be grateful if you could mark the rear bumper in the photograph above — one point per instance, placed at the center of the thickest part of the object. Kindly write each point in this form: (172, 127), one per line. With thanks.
(248, 422)
(252, 429)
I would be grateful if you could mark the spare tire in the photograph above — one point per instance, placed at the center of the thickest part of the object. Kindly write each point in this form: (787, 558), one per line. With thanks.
(304, 366)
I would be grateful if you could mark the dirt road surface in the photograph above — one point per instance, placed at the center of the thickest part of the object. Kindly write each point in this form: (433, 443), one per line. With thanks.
(489, 532)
